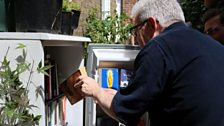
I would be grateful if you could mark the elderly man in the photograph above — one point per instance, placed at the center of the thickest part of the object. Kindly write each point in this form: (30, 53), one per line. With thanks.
(178, 74)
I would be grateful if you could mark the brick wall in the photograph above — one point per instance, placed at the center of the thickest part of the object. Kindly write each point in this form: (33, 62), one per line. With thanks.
(127, 6)
(112, 6)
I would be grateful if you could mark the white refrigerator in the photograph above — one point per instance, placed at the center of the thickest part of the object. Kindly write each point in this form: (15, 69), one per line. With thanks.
(105, 56)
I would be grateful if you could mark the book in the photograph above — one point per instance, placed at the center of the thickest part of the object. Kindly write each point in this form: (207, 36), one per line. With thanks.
(51, 80)
(47, 78)
(108, 78)
(125, 76)
(67, 87)
(54, 79)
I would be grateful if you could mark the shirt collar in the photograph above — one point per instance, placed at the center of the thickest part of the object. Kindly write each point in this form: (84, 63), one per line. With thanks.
(176, 24)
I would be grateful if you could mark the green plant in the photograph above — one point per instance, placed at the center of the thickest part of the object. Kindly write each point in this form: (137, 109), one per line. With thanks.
(193, 11)
(113, 30)
(14, 101)
(68, 6)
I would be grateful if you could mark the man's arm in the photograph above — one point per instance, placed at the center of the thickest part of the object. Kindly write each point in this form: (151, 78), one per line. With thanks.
(103, 97)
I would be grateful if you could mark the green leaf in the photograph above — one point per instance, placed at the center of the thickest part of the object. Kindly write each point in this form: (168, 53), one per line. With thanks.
(37, 118)
(20, 59)
(5, 62)
(40, 64)
(43, 69)
(24, 54)
(10, 113)
(40, 92)
(20, 46)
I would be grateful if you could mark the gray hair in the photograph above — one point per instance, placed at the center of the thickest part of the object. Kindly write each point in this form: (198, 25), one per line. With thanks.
(165, 11)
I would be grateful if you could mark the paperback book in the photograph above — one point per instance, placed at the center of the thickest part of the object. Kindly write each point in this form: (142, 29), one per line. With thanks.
(125, 76)
(67, 87)
(108, 78)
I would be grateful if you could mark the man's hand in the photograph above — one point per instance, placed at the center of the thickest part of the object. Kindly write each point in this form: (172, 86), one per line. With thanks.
(88, 86)
(101, 96)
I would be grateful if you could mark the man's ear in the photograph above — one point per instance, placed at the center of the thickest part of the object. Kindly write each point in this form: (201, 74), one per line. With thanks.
(155, 27)
(153, 22)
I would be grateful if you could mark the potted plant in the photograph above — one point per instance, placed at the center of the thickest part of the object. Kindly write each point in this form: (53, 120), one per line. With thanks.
(14, 100)
(70, 16)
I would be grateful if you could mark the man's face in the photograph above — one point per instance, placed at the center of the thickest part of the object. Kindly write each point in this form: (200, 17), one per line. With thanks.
(215, 29)
(141, 31)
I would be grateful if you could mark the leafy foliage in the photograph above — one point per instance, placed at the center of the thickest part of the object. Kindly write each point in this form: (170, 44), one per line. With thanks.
(193, 10)
(14, 101)
(113, 30)
(68, 6)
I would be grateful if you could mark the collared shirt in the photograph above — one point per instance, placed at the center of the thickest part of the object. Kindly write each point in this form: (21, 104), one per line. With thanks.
(178, 79)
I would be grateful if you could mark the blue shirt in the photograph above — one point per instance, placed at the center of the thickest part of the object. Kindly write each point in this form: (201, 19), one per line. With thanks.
(178, 78)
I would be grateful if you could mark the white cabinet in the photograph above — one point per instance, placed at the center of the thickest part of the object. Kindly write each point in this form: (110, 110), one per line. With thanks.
(67, 52)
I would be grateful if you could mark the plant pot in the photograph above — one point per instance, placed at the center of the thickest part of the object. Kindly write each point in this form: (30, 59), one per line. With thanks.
(70, 21)
(3, 25)
(7, 16)
(38, 15)
(66, 23)
(75, 19)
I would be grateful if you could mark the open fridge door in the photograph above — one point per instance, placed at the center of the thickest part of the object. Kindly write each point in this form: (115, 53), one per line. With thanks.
(103, 57)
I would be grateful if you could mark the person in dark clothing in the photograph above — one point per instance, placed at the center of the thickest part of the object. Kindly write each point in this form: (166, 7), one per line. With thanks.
(178, 74)
(214, 4)
(214, 24)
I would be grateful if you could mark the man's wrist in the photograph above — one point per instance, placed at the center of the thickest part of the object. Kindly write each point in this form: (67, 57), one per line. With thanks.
(97, 92)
